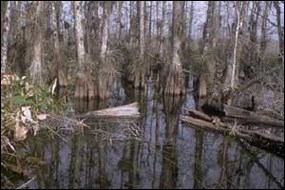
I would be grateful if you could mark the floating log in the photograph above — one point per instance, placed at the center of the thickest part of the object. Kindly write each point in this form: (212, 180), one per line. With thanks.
(215, 108)
(195, 113)
(269, 143)
(129, 111)
(201, 124)
(251, 117)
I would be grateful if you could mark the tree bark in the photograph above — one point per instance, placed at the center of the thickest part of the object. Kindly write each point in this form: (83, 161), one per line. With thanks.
(57, 55)
(232, 68)
(161, 41)
(191, 12)
(133, 25)
(142, 40)
(79, 35)
(175, 83)
(150, 20)
(139, 78)
(36, 68)
(105, 31)
(105, 77)
(253, 23)
(4, 37)
(279, 27)
(3, 12)
(263, 40)
(251, 52)
(120, 14)
(157, 19)
(234, 62)
(84, 87)
(208, 66)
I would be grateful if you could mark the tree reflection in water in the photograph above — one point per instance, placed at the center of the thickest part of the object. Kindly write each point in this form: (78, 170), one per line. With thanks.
(168, 154)
(169, 171)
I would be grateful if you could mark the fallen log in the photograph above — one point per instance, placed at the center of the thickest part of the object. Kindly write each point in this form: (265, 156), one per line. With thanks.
(271, 113)
(195, 113)
(269, 143)
(251, 117)
(129, 111)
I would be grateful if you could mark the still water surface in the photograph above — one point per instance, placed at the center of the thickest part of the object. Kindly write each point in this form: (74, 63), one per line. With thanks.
(166, 154)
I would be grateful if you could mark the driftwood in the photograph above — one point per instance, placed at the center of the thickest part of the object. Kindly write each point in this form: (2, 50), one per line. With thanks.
(129, 111)
(268, 142)
(251, 117)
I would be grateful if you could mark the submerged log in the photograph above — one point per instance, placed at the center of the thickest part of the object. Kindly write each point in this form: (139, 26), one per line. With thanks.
(130, 111)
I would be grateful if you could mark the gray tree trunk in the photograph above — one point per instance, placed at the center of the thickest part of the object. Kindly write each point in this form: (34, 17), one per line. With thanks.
(139, 78)
(208, 65)
(191, 12)
(142, 41)
(161, 43)
(79, 35)
(232, 68)
(175, 81)
(120, 14)
(150, 20)
(4, 42)
(105, 31)
(279, 27)
(177, 31)
(263, 40)
(84, 87)
(36, 68)
(57, 55)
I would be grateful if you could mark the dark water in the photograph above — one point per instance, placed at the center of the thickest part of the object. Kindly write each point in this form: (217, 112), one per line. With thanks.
(168, 154)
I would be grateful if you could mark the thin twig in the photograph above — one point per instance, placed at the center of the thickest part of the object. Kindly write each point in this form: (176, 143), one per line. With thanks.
(27, 183)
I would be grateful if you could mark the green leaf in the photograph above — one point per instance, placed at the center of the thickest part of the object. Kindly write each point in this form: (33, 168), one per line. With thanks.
(21, 100)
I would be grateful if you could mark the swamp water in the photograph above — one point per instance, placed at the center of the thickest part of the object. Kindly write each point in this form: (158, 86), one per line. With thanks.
(166, 153)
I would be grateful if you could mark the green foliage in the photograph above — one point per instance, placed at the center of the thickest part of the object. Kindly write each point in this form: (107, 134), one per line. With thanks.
(39, 98)
(18, 95)
(14, 97)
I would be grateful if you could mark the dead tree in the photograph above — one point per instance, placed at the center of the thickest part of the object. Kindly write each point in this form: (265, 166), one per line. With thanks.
(233, 67)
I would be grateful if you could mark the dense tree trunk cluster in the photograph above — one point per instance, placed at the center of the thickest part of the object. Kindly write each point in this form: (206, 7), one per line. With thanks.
(146, 40)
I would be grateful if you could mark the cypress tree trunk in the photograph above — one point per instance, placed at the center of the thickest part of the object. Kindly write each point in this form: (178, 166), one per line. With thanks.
(175, 83)
(84, 87)
(57, 55)
(36, 68)
(4, 37)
